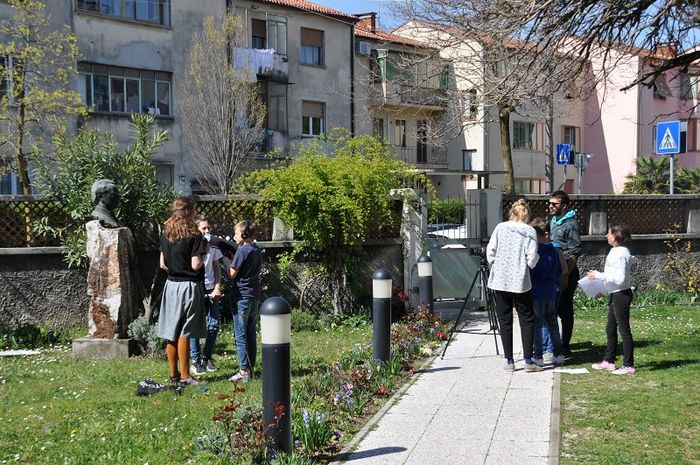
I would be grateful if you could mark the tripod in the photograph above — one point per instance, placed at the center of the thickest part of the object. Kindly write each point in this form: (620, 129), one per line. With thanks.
(483, 276)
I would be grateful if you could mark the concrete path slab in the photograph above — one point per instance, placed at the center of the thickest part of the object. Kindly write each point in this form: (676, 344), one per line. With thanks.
(465, 409)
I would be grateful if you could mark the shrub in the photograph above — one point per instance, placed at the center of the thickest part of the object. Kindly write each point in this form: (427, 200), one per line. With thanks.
(304, 321)
(146, 336)
(77, 163)
(312, 430)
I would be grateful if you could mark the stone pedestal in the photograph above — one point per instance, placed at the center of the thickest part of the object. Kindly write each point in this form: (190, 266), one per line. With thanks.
(103, 349)
(115, 300)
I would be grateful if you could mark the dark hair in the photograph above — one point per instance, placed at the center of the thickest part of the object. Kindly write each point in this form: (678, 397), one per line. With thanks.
(540, 226)
(247, 229)
(199, 218)
(621, 232)
(562, 196)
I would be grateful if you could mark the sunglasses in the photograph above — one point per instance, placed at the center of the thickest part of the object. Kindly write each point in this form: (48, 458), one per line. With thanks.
(554, 204)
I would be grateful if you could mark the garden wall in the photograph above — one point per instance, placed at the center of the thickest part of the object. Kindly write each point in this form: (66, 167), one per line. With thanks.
(37, 287)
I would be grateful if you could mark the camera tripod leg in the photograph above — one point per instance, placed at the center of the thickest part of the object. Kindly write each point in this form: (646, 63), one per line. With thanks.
(491, 310)
(459, 317)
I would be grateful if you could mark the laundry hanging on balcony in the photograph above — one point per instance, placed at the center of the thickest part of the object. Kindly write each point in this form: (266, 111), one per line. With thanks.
(254, 61)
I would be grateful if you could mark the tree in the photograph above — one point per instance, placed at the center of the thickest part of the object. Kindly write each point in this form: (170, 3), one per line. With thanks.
(91, 155)
(492, 68)
(652, 177)
(38, 72)
(334, 202)
(224, 126)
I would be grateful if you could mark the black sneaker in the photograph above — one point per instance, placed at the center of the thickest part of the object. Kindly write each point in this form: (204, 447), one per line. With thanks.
(198, 369)
(210, 366)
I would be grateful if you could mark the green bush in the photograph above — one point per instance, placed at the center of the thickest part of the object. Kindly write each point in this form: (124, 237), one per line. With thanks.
(146, 336)
(304, 321)
(446, 211)
(67, 176)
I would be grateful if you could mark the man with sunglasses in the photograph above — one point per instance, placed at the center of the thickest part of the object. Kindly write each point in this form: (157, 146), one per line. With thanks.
(564, 232)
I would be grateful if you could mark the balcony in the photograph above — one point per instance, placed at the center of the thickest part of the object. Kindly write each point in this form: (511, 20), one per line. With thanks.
(262, 64)
(390, 93)
(426, 156)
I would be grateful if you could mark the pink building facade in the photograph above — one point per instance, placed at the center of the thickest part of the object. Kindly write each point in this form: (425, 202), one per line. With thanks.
(621, 126)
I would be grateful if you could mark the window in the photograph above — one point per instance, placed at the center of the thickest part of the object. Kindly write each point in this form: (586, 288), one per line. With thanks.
(165, 173)
(470, 105)
(660, 88)
(400, 133)
(378, 128)
(523, 136)
(145, 11)
(572, 135)
(689, 85)
(275, 97)
(259, 36)
(124, 90)
(311, 46)
(312, 119)
(421, 141)
(530, 186)
(10, 75)
(277, 34)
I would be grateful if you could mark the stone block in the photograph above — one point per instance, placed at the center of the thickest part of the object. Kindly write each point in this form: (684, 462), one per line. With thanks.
(89, 348)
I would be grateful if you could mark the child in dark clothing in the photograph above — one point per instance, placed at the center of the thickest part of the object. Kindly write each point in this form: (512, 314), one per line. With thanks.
(545, 278)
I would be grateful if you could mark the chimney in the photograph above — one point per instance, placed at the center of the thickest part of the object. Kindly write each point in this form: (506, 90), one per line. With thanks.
(368, 21)
(666, 50)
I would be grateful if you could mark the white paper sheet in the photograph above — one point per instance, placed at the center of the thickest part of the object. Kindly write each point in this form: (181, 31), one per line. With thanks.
(572, 371)
(593, 287)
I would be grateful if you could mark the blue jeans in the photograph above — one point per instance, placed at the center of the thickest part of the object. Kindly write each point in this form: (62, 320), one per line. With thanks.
(213, 317)
(245, 320)
(546, 324)
(547, 345)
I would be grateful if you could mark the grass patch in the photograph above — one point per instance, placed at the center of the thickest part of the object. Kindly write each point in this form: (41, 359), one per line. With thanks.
(652, 417)
(57, 410)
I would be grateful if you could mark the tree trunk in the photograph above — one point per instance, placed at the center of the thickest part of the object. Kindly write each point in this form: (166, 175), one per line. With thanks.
(549, 166)
(504, 112)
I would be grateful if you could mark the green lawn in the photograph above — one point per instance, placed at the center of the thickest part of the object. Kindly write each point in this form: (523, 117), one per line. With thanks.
(652, 417)
(54, 410)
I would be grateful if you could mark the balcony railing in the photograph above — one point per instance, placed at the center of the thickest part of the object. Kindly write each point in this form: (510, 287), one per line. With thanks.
(262, 63)
(425, 155)
(392, 93)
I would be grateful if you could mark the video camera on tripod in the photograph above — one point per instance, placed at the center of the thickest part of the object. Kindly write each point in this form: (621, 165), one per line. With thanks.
(482, 275)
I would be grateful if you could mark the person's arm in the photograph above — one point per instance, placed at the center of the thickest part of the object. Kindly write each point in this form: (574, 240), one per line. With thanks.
(531, 254)
(614, 272)
(492, 246)
(197, 262)
(563, 261)
(575, 245)
(216, 293)
(162, 262)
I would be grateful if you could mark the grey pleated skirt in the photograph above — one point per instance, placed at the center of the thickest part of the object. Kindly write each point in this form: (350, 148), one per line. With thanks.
(182, 312)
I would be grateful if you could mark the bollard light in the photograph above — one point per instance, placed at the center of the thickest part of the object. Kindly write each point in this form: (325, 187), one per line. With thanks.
(381, 315)
(275, 329)
(425, 282)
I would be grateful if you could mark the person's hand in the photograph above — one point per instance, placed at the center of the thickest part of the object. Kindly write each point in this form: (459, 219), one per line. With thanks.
(216, 293)
(590, 274)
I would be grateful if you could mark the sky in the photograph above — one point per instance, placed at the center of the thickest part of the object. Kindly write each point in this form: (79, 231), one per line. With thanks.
(382, 7)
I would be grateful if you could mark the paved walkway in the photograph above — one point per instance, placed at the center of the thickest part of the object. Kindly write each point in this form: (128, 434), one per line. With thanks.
(465, 409)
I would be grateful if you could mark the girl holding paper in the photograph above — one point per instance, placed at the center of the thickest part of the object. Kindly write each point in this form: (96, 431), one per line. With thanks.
(616, 277)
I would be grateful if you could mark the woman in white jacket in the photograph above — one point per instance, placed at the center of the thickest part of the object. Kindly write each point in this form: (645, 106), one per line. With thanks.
(511, 252)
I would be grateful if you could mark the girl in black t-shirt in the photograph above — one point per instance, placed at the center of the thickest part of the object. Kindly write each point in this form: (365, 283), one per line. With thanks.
(182, 313)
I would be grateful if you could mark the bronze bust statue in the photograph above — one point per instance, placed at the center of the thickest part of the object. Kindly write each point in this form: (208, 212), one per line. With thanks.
(106, 198)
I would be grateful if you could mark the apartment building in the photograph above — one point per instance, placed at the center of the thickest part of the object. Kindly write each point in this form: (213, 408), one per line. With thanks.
(134, 56)
(402, 98)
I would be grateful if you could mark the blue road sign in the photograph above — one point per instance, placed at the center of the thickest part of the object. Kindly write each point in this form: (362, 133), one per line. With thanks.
(668, 138)
(563, 154)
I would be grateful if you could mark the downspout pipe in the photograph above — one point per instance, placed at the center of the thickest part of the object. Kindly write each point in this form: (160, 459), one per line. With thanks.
(352, 80)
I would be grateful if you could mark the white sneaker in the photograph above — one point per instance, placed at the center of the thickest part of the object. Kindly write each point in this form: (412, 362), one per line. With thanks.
(548, 357)
(538, 361)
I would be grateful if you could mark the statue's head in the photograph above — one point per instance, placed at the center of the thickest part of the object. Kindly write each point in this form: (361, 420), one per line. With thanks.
(104, 191)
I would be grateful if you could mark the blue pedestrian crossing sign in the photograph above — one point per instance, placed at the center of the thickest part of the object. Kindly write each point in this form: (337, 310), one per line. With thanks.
(563, 154)
(668, 138)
